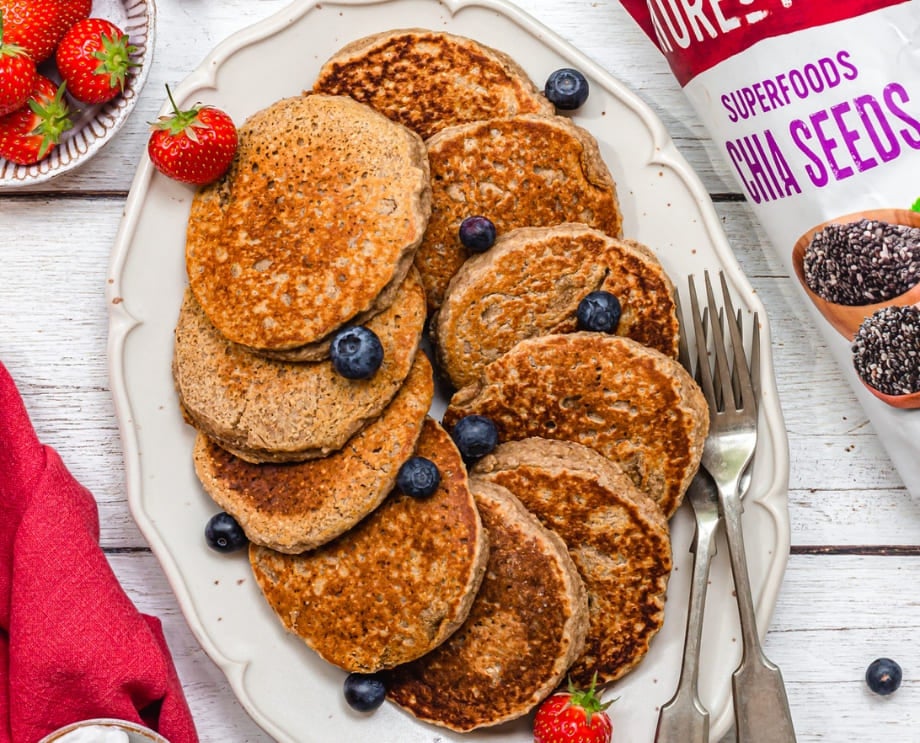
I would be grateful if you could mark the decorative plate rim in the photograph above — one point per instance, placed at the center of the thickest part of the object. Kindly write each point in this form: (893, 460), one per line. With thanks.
(139, 420)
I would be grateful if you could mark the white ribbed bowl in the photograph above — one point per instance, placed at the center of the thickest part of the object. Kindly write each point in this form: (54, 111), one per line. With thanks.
(136, 733)
(94, 125)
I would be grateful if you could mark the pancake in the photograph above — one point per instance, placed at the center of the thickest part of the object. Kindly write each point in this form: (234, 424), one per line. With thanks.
(265, 410)
(631, 403)
(455, 79)
(616, 535)
(521, 171)
(296, 507)
(530, 283)
(314, 225)
(525, 628)
(395, 586)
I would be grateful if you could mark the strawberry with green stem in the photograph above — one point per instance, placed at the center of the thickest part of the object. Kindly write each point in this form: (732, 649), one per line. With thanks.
(17, 75)
(28, 134)
(573, 716)
(195, 145)
(94, 58)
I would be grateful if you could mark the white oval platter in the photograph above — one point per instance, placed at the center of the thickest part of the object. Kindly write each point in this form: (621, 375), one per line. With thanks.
(288, 690)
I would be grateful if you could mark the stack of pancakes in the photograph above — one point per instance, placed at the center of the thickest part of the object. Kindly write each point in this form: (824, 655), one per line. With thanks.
(547, 558)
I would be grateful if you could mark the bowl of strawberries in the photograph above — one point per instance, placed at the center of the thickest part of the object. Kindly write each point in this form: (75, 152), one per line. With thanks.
(71, 72)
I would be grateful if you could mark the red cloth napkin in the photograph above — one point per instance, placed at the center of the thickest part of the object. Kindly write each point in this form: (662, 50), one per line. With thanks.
(72, 645)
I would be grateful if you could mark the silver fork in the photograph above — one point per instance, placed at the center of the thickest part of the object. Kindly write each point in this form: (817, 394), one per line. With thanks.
(684, 718)
(761, 706)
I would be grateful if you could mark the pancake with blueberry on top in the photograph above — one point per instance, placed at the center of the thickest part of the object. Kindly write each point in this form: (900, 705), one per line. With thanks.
(533, 280)
(300, 506)
(268, 410)
(521, 171)
(396, 585)
(631, 403)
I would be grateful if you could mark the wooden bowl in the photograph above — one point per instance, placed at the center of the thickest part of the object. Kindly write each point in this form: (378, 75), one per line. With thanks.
(905, 402)
(847, 318)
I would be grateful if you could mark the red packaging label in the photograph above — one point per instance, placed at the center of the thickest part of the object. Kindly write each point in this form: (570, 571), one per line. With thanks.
(695, 35)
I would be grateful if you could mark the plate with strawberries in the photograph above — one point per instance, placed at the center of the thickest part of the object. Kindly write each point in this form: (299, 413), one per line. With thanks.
(70, 75)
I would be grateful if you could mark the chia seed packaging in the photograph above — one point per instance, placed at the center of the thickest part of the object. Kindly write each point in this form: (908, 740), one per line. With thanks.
(816, 108)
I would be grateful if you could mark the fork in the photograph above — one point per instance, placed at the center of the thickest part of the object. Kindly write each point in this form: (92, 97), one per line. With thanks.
(684, 718)
(761, 707)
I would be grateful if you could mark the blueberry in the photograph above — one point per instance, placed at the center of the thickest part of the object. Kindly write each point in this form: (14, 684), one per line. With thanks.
(356, 352)
(477, 234)
(475, 436)
(418, 477)
(566, 89)
(224, 534)
(599, 312)
(364, 691)
(883, 676)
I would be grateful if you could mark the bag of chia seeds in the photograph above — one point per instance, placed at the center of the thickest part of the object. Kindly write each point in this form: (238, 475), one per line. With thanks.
(816, 107)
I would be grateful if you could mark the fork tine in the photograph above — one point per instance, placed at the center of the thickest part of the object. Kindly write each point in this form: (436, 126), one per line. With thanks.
(723, 372)
(703, 372)
(755, 358)
(740, 361)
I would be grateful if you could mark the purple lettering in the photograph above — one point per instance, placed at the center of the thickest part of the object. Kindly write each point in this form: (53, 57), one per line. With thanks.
(866, 106)
(896, 89)
(828, 144)
(816, 172)
(727, 103)
(849, 137)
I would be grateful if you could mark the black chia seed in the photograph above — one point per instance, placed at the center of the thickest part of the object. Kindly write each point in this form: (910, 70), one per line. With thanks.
(886, 350)
(863, 262)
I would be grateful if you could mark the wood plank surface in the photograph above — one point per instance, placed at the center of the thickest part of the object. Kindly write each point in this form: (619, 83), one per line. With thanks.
(849, 593)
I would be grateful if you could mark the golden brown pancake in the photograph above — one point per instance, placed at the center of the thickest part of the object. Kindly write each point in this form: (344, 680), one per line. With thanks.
(266, 410)
(521, 171)
(531, 282)
(525, 628)
(314, 225)
(396, 585)
(296, 507)
(617, 536)
(631, 403)
(428, 80)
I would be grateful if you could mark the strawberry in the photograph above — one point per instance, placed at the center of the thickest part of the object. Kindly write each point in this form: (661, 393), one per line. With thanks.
(193, 146)
(38, 25)
(94, 58)
(30, 133)
(17, 75)
(573, 716)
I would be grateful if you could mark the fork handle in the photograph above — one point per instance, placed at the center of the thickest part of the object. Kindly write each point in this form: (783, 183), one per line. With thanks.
(761, 707)
(684, 719)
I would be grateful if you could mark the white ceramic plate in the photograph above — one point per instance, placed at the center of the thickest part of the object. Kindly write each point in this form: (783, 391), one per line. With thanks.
(94, 125)
(287, 689)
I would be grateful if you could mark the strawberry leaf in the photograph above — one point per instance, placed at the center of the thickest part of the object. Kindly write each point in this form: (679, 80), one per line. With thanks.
(53, 119)
(916, 206)
(115, 59)
(588, 699)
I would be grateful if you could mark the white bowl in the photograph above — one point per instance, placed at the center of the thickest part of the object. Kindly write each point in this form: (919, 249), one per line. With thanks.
(94, 125)
(136, 733)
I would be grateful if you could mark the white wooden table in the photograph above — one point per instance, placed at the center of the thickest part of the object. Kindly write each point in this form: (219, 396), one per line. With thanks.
(851, 587)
